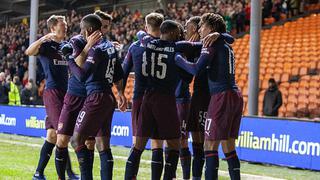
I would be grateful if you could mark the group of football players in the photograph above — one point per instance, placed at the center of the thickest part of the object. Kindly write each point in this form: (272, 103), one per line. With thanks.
(165, 59)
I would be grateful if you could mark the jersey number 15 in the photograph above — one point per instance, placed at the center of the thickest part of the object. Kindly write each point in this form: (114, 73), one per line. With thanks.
(155, 63)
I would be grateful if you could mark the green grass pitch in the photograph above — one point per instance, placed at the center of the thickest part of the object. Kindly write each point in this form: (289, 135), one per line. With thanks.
(19, 156)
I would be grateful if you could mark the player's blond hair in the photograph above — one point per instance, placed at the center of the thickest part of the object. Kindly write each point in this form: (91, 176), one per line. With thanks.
(154, 20)
(54, 19)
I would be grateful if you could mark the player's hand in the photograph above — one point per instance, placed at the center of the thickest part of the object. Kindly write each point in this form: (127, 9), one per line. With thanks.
(122, 103)
(116, 44)
(66, 50)
(195, 37)
(94, 38)
(48, 37)
(210, 39)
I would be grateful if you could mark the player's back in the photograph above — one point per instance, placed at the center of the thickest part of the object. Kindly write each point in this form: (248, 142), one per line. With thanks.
(140, 83)
(221, 70)
(54, 66)
(159, 66)
(101, 55)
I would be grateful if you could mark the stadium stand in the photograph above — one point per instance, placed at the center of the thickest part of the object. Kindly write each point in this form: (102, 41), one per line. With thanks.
(290, 55)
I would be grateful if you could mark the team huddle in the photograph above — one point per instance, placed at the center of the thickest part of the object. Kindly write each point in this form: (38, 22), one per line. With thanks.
(165, 59)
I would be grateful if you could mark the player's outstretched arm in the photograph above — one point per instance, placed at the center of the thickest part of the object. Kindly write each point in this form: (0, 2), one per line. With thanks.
(122, 100)
(119, 82)
(92, 40)
(33, 49)
(127, 66)
(144, 38)
(89, 66)
(194, 68)
(189, 46)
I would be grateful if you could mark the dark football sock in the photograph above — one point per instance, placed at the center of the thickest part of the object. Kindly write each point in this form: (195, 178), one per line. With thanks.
(212, 165)
(91, 152)
(106, 163)
(45, 155)
(198, 160)
(132, 165)
(233, 164)
(83, 155)
(156, 163)
(61, 162)
(185, 159)
(171, 164)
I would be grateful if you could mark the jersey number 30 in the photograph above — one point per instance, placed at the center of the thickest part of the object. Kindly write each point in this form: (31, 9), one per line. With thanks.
(154, 65)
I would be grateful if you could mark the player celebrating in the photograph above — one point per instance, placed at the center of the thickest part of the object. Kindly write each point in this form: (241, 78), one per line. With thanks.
(134, 59)
(75, 98)
(226, 103)
(56, 74)
(95, 117)
(114, 76)
(182, 95)
(158, 108)
(199, 102)
(73, 102)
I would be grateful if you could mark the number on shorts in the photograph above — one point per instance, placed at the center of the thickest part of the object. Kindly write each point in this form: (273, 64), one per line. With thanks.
(184, 125)
(202, 117)
(207, 124)
(81, 116)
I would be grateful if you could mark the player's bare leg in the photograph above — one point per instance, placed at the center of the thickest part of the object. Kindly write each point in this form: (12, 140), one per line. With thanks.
(63, 140)
(133, 140)
(230, 153)
(157, 159)
(173, 147)
(198, 154)
(212, 159)
(132, 165)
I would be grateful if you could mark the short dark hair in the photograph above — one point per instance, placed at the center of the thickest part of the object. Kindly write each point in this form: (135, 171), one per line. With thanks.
(154, 20)
(168, 26)
(53, 20)
(272, 80)
(93, 21)
(215, 21)
(195, 20)
(103, 15)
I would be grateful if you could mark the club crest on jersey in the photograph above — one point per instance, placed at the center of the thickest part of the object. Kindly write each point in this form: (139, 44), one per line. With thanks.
(90, 59)
(60, 126)
(111, 50)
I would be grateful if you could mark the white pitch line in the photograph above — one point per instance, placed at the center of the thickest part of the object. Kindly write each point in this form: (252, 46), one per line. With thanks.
(222, 173)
